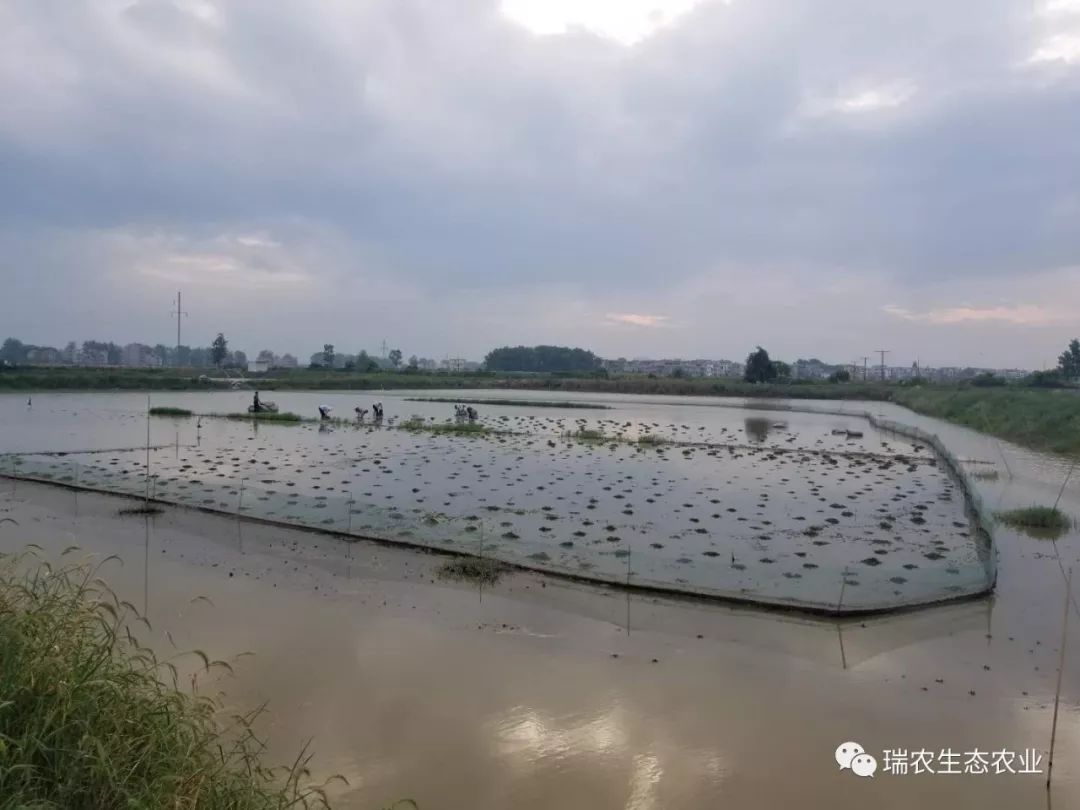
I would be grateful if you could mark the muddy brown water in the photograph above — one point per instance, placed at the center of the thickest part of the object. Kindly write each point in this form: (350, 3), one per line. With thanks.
(537, 693)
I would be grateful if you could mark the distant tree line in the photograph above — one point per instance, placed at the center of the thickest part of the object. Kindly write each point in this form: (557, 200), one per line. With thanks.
(541, 359)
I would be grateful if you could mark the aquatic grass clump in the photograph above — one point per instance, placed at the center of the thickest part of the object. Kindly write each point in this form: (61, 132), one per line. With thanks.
(87, 721)
(141, 509)
(268, 416)
(586, 435)
(1036, 517)
(454, 428)
(481, 570)
(653, 439)
(165, 410)
(515, 403)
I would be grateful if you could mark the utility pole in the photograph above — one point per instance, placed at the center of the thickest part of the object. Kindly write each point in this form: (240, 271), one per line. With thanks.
(384, 348)
(179, 314)
(882, 352)
(865, 360)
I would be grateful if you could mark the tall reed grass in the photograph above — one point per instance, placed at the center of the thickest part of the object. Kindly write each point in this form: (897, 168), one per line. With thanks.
(92, 720)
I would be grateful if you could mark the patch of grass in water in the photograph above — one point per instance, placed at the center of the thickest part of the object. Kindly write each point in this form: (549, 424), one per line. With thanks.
(586, 435)
(141, 509)
(1039, 518)
(169, 411)
(481, 570)
(522, 403)
(267, 416)
(652, 438)
(417, 424)
(89, 719)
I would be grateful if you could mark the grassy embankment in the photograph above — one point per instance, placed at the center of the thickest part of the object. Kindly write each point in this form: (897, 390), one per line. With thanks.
(90, 719)
(114, 379)
(1046, 420)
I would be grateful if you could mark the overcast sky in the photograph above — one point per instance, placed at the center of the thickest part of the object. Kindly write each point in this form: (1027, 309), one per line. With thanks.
(638, 177)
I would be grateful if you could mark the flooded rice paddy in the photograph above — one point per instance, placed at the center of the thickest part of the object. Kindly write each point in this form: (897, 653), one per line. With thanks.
(778, 507)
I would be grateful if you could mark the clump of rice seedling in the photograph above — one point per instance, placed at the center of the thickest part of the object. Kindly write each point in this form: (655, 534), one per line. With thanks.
(141, 509)
(1046, 518)
(88, 719)
(481, 570)
(452, 428)
(652, 438)
(585, 435)
(169, 411)
(267, 416)
(522, 403)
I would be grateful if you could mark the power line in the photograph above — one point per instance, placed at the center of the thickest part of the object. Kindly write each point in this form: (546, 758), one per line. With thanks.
(883, 352)
(179, 314)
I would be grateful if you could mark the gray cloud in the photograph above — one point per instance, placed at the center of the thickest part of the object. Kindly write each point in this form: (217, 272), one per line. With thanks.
(434, 158)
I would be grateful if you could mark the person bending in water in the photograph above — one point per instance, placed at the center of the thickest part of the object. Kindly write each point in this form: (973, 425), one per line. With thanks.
(360, 413)
(324, 411)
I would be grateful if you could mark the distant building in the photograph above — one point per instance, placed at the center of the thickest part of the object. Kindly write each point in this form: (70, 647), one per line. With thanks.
(139, 355)
(43, 356)
(667, 367)
(811, 370)
(258, 366)
(454, 364)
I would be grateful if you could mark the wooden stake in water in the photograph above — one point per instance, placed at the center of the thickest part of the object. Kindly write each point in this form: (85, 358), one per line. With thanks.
(839, 629)
(480, 579)
(1061, 492)
(146, 497)
(1001, 452)
(1061, 669)
(146, 567)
